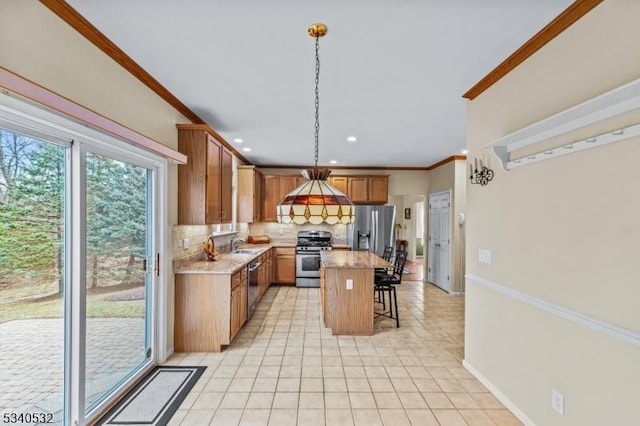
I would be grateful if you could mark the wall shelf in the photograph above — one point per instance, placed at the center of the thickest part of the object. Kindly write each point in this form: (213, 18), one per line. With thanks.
(611, 104)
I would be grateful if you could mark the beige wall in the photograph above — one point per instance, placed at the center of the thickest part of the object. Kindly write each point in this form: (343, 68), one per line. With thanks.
(39, 46)
(563, 231)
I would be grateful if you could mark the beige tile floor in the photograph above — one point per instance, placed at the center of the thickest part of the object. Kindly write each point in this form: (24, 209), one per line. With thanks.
(285, 368)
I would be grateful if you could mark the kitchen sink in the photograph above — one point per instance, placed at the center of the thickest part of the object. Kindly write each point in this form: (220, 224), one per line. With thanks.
(246, 251)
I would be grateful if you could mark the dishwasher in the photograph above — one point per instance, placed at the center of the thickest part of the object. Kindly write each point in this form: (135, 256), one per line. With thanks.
(252, 276)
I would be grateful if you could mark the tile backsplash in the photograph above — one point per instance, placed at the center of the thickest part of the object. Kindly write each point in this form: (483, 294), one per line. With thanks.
(282, 232)
(194, 236)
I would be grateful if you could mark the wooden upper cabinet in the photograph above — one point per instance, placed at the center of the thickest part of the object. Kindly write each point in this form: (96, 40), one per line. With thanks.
(270, 198)
(358, 189)
(226, 171)
(249, 194)
(214, 170)
(286, 185)
(378, 189)
(363, 189)
(204, 183)
(276, 187)
(339, 183)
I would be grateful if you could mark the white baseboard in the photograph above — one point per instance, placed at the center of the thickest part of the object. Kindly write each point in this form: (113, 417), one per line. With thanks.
(167, 354)
(499, 395)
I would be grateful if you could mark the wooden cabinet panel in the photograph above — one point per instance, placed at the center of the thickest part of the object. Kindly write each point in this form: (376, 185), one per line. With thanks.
(225, 185)
(238, 302)
(286, 185)
(378, 189)
(204, 183)
(275, 189)
(265, 273)
(213, 180)
(236, 299)
(192, 178)
(249, 194)
(285, 265)
(358, 189)
(339, 183)
(271, 194)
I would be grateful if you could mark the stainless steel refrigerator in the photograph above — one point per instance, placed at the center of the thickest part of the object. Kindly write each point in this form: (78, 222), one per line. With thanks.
(373, 229)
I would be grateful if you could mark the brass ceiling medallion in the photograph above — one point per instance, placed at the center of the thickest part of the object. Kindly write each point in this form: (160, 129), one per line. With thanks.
(315, 201)
(317, 30)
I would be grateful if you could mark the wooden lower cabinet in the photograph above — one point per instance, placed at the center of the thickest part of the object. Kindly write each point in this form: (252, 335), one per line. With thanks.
(210, 309)
(285, 265)
(238, 302)
(265, 272)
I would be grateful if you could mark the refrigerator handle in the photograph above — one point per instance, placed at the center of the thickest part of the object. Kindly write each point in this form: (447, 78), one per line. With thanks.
(374, 231)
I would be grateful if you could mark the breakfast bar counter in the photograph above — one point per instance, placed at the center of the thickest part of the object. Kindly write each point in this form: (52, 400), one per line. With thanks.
(346, 289)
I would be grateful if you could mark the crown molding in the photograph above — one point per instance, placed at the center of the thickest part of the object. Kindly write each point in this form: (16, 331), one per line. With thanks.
(568, 17)
(447, 160)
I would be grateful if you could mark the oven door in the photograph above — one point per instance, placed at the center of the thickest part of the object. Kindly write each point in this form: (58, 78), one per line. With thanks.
(308, 264)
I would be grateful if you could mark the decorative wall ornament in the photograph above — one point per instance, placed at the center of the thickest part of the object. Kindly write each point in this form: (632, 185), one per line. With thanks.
(480, 175)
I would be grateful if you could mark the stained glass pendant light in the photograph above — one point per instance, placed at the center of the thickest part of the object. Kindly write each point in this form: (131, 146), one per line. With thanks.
(315, 201)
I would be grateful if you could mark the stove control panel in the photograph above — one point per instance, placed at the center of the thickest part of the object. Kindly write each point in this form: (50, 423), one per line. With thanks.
(312, 248)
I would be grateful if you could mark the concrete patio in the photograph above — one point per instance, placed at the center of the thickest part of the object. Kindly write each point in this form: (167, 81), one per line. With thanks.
(31, 354)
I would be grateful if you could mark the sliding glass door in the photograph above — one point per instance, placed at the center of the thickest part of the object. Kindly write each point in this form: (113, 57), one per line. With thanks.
(119, 271)
(33, 283)
(79, 253)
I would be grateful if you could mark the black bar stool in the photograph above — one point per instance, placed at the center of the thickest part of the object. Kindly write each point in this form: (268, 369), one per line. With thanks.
(385, 283)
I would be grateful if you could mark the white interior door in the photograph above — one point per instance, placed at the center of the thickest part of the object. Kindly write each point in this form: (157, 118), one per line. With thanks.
(439, 271)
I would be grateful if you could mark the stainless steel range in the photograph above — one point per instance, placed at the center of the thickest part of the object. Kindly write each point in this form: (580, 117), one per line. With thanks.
(310, 244)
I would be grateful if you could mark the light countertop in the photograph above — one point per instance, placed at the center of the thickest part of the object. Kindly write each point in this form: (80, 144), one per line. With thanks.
(227, 263)
(352, 259)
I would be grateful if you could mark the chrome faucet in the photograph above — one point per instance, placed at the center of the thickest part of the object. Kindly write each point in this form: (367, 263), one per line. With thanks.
(234, 243)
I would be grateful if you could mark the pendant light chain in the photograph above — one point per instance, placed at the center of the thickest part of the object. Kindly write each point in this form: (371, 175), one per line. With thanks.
(316, 201)
(317, 130)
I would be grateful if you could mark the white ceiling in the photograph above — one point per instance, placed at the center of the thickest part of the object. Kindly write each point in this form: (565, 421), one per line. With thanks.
(393, 72)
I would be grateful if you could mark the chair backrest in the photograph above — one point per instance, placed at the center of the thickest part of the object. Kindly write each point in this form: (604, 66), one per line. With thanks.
(388, 252)
(398, 266)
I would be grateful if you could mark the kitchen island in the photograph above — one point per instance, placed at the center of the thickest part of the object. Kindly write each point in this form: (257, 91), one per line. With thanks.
(346, 290)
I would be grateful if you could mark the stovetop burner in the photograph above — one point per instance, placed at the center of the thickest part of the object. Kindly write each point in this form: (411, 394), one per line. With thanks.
(314, 240)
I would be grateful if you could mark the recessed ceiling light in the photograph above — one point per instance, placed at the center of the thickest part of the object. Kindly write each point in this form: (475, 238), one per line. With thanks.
(238, 140)
(246, 149)
(333, 161)
(465, 151)
(352, 139)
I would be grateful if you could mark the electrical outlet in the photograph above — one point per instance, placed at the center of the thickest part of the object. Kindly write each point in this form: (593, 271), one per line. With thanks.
(484, 256)
(557, 401)
(185, 243)
(349, 284)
